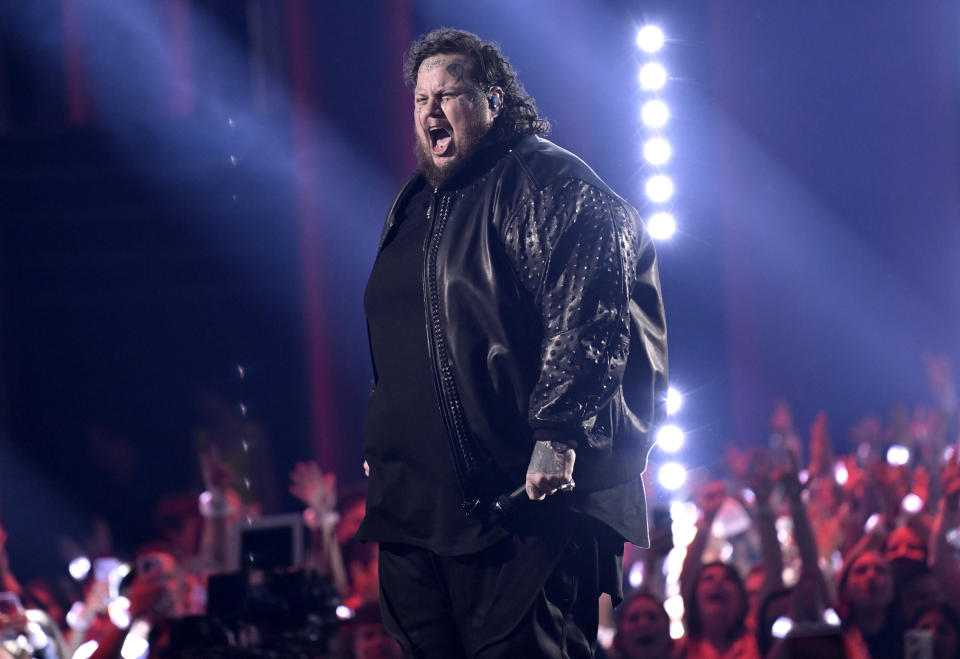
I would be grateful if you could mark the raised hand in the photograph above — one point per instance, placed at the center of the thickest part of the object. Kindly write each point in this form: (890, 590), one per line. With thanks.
(950, 481)
(313, 487)
(761, 477)
(710, 498)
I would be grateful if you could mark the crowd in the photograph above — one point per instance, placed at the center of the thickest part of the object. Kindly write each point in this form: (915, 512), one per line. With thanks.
(799, 549)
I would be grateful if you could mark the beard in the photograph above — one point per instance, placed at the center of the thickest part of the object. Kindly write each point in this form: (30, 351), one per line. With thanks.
(465, 145)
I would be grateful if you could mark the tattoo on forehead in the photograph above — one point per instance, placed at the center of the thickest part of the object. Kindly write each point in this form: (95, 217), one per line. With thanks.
(431, 63)
(456, 70)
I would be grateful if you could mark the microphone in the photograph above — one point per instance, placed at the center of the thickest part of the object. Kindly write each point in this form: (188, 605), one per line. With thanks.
(505, 502)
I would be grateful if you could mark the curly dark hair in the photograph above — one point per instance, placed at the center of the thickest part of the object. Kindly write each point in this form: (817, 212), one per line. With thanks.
(519, 115)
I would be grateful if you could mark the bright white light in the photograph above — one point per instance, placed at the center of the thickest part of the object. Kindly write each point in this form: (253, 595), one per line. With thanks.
(650, 39)
(657, 151)
(831, 618)
(670, 438)
(134, 647)
(636, 574)
(119, 610)
(653, 76)
(344, 612)
(674, 400)
(79, 568)
(659, 188)
(676, 630)
(661, 226)
(726, 552)
(781, 627)
(871, 523)
(912, 503)
(674, 607)
(672, 475)
(840, 473)
(655, 113)
(86, 650)
(898, 455)
(803, 476)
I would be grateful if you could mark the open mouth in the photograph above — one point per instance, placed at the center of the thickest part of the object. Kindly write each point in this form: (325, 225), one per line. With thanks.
(440, 141)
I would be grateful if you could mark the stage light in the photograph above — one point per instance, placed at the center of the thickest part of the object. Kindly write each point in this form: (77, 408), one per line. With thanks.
(653, 76)
(659, 188)
(840, 473)
(674, 400)
(655, 113)
(86, 650)
(781, 627)
(636, 574)
(672, 475)
(650, 38)
(871, 523)
(912, 503)
(670, 438)
(134, 647)
(662, 226)
(898, 455)
(674, 607)
(657, 151)
(676, 629)
(831, 618)
(79, 568)
(119, 612)
(344, 612)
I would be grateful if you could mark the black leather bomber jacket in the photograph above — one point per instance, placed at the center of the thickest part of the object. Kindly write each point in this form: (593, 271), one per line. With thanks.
(544, 318)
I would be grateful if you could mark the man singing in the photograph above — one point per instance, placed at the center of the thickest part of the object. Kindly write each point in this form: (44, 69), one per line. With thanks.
(519, 346)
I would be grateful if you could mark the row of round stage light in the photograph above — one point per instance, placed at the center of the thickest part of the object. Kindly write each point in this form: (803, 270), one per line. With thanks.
(656, 149)
(660, 224)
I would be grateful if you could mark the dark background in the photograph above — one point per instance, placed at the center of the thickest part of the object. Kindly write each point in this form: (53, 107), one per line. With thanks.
(815, 160)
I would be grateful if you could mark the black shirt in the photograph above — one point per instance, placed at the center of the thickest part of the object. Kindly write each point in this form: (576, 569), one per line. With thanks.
(412, 496)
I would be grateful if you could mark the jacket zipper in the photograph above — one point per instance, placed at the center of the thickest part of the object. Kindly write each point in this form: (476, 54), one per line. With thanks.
(464, 459)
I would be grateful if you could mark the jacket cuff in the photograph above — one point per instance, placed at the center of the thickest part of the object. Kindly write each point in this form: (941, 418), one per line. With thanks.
(552, 435)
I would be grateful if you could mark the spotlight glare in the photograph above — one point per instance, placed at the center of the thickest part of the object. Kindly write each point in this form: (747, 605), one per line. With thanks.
(662, 226)
(672, 475)
(344, 612)
(659, 188)
(655, 113)
(134, 647)
(636, 574)
(653, 76)
(86, 650)
(674, 397)
(831, 618)
(79, 568)
(840, 473)
(898, 455)
(650, 38)
(912, 503)
(119, 612)
(657, 151)
(670, 438)
(781, 627)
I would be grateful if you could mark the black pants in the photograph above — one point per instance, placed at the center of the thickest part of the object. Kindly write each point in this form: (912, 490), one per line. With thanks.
(533, 596)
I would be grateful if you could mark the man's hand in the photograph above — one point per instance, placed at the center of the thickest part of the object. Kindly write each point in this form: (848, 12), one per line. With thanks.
(551, 467)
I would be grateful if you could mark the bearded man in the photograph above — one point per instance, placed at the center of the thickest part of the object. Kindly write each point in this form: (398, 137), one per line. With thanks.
(518, 339)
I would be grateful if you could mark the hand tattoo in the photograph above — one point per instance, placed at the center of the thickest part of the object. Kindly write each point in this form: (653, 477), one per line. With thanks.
(549, 458)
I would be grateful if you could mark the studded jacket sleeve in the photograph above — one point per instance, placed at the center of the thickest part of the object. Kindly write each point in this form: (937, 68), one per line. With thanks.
(575, 249)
